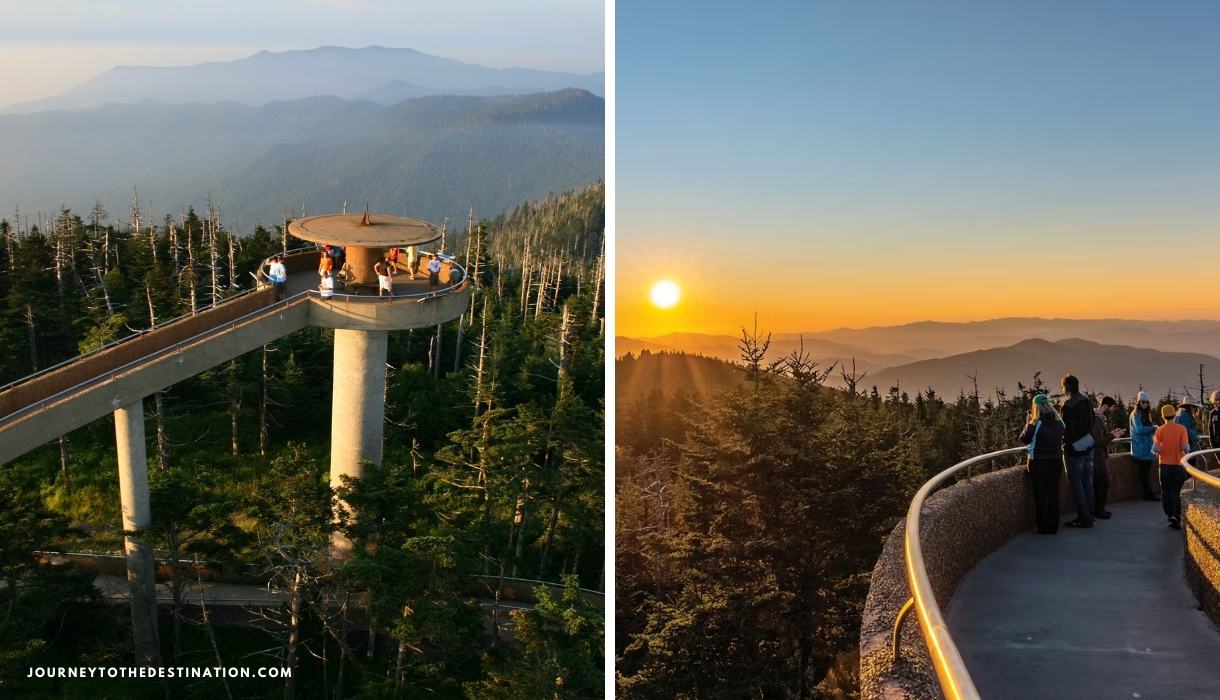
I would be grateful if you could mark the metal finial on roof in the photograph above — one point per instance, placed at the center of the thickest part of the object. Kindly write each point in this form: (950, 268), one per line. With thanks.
(365, 221)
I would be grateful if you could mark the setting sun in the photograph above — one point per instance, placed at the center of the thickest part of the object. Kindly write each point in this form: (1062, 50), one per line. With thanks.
(665, 294)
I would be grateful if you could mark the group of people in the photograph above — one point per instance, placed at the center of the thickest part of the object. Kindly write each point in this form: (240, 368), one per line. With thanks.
(278, 274)
(384, 269)
(332, 259)
(1076, 437)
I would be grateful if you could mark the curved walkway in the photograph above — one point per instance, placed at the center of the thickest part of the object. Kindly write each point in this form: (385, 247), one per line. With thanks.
(1100, 613)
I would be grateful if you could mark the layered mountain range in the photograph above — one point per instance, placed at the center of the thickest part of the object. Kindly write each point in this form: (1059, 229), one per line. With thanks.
(278, 134)
(427, 157)
(1109, 355)
(375, 73)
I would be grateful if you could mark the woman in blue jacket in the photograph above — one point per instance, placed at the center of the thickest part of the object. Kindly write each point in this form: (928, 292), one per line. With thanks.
(1142, 429)
(1186, 418)
(1044, 434)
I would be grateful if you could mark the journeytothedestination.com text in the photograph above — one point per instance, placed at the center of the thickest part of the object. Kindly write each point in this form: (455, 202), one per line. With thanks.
(170, 672)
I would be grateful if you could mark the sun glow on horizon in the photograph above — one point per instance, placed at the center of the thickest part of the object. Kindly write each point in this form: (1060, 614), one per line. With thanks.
(665, 294)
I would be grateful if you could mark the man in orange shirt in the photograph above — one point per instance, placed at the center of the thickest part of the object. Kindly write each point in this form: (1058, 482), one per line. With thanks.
(1171, 443)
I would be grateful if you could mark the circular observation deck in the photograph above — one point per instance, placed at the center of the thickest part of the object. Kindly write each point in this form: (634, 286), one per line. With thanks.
(358, 307)
(365, 238)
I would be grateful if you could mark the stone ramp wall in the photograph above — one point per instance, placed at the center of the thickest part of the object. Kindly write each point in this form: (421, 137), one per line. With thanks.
(960, 526)
(1201, 513)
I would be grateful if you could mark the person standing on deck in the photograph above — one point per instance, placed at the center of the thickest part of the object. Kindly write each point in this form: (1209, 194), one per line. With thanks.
(1101, 448)
(326, 263)
(434, 272)
(278, 274)
(385, 278)
(1078, 450)
(1170, 444)
(1186, 419)
(1142, 429)
(327, 285)
(1044, 434)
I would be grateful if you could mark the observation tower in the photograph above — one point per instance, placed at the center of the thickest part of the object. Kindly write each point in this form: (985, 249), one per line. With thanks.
(362, 320)
(115, 379)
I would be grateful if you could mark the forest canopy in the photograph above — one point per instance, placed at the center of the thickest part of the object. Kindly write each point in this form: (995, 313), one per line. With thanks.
(493, 466)
(751, 503)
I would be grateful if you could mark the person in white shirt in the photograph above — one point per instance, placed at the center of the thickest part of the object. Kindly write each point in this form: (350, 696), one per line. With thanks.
(328, 285)
(434, 272)
(278, 274)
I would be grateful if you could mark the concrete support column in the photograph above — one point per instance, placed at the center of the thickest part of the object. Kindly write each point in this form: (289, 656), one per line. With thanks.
(361, 261)
(358, 407)
(133, 495)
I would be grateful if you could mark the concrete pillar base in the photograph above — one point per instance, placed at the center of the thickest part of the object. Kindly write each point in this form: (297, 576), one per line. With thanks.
(142, 582)
(133, 494)
(357, 410)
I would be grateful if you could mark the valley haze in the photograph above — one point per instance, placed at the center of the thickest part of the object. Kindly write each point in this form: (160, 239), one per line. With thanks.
(410, 133)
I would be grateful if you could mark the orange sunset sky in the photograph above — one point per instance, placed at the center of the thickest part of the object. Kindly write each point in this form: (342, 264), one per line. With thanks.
(917, 164)
(831, 279)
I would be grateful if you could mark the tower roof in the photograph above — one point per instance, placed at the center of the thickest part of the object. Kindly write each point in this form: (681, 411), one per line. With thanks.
(380, 231)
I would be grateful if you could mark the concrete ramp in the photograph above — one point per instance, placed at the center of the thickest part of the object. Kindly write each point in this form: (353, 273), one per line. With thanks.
(1087, 614)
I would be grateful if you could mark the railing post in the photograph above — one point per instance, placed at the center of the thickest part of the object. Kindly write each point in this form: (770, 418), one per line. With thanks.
(906, 608)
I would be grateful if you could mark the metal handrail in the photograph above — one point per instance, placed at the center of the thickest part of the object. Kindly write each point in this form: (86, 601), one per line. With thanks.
(227, 325)
(135, 334)
(156, 326)
(955, 681)
(168, 350)
(1199, 474)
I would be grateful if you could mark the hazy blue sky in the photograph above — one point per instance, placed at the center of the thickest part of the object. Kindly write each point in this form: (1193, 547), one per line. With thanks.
(47, 46)
(883, 162)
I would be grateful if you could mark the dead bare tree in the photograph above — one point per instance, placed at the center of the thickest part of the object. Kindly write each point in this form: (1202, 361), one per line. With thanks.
(207, 623)
(162, 436)
(852, 380)
(213, 257)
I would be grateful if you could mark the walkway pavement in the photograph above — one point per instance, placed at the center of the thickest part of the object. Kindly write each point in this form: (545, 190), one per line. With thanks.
(1100, 613)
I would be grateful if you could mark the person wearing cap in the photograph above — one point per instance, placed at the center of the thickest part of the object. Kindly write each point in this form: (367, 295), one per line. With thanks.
(1101, 448)
(1142, 429)
(1171, 443)
(1213, 422)
(1078, 449)
(1044, 434)
(1186, 419)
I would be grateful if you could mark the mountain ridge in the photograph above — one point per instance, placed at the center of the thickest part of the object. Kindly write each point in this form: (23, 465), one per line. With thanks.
(1115, 369)
(931, 339)
(267, 76)
(428, 157)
